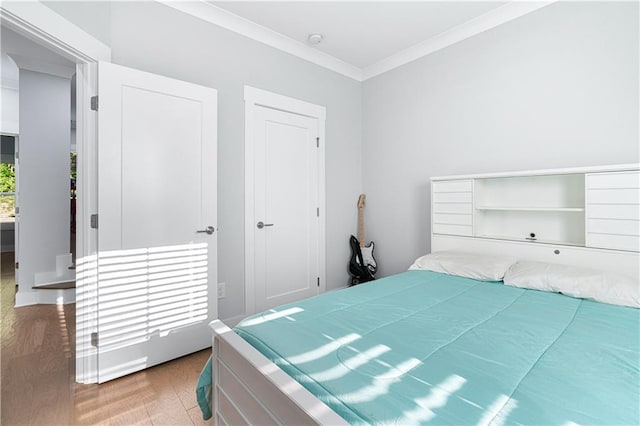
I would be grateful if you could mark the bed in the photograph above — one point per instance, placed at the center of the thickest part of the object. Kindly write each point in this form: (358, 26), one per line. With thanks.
(449, 345)
(423, 347)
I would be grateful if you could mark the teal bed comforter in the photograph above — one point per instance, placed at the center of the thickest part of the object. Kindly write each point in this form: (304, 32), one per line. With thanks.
(427, 348)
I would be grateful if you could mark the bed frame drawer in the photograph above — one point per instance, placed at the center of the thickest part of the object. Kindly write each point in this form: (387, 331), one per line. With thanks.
(453, 186)
(614, 196)
(455, 208)
(453, 219)
(614, 226)
(614, 242)
(464, 230)
(452, 197)
(613, 180)
(614, 211)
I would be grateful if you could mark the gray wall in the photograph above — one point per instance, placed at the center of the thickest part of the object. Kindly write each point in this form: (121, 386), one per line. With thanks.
(44, 175)
(158, 39)
(94, 17)
(555, 88)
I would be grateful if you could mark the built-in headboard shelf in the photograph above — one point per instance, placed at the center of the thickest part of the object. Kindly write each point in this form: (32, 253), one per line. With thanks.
(587, 216)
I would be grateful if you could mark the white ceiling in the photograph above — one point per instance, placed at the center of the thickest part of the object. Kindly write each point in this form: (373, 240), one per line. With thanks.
(361, 33)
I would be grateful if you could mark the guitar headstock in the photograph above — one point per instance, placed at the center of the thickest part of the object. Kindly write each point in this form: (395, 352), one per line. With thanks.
(361, 201)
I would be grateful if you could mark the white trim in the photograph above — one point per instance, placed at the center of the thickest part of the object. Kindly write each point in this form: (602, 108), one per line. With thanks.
(37, 22)
(230, 21)
(257, 97)
(268, 99)
(86, 238)
(543, 172)
(49, 297)
(223, 18)
(491, 19)
(9, 86)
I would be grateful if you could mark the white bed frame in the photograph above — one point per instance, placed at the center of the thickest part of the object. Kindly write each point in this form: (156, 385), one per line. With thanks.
(250, 389)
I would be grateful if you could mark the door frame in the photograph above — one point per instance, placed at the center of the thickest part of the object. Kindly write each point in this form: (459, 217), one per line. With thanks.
(49, 29)
(253, 98)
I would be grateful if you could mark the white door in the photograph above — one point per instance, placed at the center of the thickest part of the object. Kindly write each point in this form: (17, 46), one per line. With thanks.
(157, 272)
(286, 207)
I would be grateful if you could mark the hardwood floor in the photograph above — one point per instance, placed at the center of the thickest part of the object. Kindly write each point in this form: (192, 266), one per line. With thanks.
(38, 368)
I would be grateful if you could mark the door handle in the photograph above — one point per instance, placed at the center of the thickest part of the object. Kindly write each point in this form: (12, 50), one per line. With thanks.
(261, 224)
(210, 230)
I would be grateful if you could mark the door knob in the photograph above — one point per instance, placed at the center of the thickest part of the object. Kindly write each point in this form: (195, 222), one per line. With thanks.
(210, 230)
(261, 224)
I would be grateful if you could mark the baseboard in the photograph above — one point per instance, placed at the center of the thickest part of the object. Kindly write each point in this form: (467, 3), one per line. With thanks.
(45, 297)
(337, 288)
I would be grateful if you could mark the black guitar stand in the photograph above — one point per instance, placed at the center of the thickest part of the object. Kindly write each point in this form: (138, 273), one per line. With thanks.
(353, 280)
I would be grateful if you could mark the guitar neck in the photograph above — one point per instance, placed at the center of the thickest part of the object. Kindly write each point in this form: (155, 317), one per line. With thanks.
(361, 226)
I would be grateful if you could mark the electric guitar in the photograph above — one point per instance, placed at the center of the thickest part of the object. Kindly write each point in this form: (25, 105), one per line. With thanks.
(362, 265)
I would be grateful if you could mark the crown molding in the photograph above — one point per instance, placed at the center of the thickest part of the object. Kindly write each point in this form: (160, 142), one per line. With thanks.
(232, 22)
(484, 22)
(221, 17)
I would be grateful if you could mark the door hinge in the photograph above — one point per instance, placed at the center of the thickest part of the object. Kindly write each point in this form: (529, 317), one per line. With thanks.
(17, 265)
(94, 103)
(17, 155)
(16, 210)
(318, 281)
(317, 142)
(94, 221)
(318, 211)
(94, 339)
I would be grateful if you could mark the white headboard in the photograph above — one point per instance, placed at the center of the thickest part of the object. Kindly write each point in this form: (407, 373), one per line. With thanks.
(588, 217)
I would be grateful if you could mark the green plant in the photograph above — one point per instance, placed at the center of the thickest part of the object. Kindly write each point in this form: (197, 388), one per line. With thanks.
(74, 165)
(7, 206)
(7, 177)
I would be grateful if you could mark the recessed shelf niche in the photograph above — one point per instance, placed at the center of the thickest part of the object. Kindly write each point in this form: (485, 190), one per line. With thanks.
(551, 207)
(592, 207)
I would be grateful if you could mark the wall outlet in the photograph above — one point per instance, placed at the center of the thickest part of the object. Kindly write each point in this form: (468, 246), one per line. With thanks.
(222, 290)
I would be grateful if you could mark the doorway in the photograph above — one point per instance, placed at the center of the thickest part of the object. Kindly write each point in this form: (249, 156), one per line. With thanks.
(49, 32)
(129, 106)
(41, 114)
(284, 205)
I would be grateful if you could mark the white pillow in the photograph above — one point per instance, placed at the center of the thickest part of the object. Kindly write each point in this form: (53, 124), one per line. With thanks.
(471, 265)
(572, 281)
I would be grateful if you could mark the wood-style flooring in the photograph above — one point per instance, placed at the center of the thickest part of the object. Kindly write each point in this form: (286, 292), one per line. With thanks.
(38, 368)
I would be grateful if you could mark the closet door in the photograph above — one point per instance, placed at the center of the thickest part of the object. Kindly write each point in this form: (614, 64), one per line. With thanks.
(287, 230)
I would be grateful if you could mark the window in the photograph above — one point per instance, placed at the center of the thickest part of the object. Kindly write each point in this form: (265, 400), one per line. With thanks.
(7, 179)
